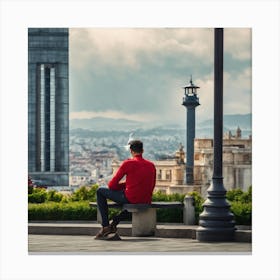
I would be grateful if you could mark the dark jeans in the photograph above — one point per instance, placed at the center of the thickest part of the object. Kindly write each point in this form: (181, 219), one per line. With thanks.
(102, 194)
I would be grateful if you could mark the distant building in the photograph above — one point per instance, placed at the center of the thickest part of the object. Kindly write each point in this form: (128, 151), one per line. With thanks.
(48, 106)
(80, 178)
(237, 162)
(171, 174)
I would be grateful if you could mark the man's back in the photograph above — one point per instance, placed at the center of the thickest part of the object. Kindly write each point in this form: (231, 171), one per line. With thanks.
(140, 179)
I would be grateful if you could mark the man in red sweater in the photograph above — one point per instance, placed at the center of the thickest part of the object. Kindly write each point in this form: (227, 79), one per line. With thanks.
(138, 187)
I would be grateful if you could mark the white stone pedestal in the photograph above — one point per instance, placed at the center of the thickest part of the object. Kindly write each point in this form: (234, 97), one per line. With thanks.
(144, 222)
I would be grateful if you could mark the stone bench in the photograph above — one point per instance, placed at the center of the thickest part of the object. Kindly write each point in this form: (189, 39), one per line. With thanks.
(144, 215)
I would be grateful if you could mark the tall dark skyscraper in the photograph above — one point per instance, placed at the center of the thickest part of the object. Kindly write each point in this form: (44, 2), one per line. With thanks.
(48, 105)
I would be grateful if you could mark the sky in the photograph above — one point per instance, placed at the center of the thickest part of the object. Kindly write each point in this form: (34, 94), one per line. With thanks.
(138, 73)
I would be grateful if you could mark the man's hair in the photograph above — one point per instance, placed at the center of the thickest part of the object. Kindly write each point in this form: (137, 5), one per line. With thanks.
(136, 146)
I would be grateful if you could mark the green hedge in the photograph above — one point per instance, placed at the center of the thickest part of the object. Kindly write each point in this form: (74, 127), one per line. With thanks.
(76, 206)
(70, 211)
(41, 195)
(50, 205)
(85, 194)
(61, 211)
(240, 201)
(169, 215)
(242, 212)
(37, 195)
(241, 205)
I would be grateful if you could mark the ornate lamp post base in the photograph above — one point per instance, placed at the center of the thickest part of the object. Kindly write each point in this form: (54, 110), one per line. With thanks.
(215, 234)
(216, 221)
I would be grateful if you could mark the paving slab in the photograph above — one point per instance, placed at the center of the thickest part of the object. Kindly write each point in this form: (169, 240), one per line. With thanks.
(83, 244)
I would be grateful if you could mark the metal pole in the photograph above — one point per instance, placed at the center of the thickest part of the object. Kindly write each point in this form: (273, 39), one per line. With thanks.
(216, 221)
(218, 103)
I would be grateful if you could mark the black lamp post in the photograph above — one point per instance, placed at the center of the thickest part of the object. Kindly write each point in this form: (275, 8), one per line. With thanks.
(216, 221)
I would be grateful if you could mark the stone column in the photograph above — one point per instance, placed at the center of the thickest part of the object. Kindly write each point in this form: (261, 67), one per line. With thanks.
(189, 211)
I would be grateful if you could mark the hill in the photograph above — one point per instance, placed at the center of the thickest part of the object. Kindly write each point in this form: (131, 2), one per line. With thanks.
(104, 124)
(231, 121)
(203, 129)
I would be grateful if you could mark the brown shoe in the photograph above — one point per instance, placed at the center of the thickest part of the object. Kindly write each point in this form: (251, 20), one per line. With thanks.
(113, 227)
(103, 232)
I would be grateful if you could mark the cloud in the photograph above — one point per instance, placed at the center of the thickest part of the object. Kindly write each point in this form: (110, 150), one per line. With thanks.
(237, 42)
(126, 46)
(138, 73)
(238, 92)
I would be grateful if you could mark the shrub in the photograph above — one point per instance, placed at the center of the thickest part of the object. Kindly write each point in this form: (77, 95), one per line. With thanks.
(241, 205)
(198, 204)
(38, 195)
(61, 211)
(65, 211)
(30, 189)
(65, 199)
(169, 215)
(160, 196)
(242, 212)
(85, 194)
(53, 195)
(239, 195)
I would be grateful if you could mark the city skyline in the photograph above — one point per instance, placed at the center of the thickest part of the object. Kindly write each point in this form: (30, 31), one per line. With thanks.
(138, 73)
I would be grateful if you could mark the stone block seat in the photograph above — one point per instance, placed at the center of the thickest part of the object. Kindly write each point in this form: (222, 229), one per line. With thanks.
(143, 215)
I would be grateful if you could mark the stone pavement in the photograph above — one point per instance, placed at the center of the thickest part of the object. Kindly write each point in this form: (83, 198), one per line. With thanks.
(84, 244)
(172, 230)
(78, 238)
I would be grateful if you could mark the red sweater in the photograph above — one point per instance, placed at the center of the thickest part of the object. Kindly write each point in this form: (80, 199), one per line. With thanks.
(140, 179)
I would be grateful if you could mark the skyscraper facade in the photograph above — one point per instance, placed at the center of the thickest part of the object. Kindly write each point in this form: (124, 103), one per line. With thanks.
(48, 106)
